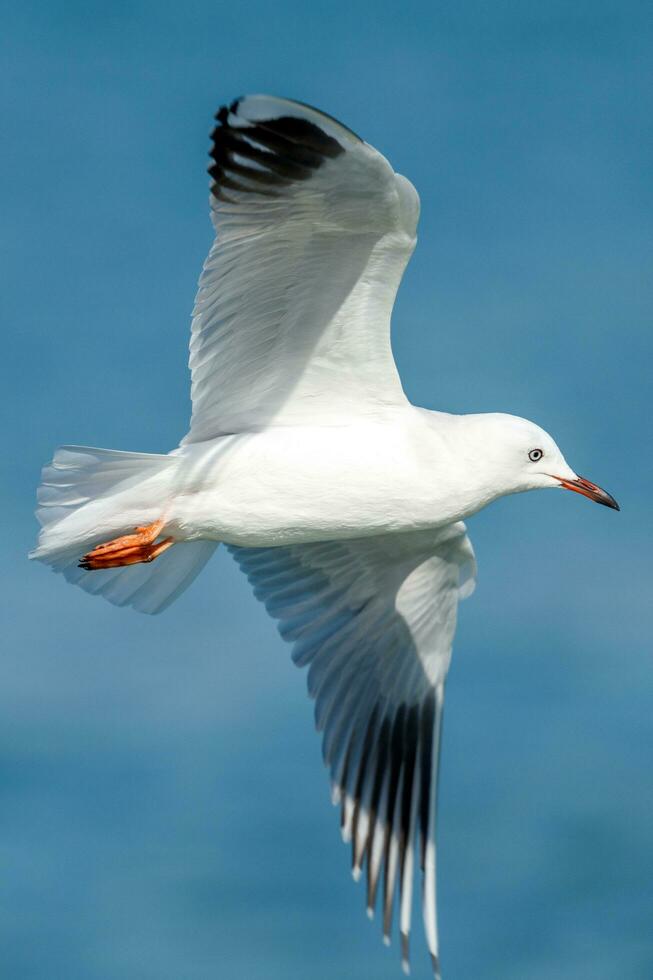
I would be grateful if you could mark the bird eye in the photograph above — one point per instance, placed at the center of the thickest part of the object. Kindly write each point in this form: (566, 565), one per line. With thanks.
(535, 455)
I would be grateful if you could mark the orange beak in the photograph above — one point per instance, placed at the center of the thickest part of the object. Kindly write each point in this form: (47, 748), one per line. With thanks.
(588, 489)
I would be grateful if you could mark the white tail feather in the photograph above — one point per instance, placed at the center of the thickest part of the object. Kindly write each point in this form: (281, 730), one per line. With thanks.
(89, 495)
(149, 588)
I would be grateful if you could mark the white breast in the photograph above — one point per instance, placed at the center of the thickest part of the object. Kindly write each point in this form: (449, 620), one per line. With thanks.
(312, 483)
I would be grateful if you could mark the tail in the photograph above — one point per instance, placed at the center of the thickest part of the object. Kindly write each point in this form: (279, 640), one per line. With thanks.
(88, 495)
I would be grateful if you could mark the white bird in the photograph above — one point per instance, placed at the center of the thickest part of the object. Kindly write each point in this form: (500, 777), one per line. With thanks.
(341, 501)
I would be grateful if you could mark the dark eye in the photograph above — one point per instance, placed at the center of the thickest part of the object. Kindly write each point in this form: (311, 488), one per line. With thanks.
(535, 455)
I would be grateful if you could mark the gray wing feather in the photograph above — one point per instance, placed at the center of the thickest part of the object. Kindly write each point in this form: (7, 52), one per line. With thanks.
(373, 620)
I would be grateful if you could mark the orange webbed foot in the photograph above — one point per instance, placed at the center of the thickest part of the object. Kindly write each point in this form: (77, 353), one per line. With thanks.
(130, 549)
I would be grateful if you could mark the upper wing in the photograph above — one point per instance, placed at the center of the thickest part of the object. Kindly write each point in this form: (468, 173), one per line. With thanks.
(314, 229)
(374, 618)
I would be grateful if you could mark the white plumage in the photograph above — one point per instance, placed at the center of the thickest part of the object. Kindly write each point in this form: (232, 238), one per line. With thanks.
(341, 501)
(296, 294)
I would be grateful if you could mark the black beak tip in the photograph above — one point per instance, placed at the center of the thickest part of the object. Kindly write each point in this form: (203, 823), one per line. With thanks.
(603, 497)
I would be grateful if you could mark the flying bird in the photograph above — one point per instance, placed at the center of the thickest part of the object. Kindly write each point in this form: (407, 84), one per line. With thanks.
(342, 502)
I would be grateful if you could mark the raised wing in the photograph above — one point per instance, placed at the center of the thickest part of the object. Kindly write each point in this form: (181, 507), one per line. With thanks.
(292, 319)
(374, 620)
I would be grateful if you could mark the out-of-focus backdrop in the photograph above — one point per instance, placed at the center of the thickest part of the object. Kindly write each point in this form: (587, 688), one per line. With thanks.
(164, 812)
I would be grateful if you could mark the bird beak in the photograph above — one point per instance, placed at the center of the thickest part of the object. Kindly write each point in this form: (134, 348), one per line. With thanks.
(588, 489)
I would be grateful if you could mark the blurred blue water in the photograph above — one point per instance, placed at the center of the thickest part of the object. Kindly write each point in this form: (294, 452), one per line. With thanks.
(164, 811)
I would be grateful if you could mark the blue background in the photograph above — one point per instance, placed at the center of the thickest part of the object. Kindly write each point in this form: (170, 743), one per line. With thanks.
(164, 812)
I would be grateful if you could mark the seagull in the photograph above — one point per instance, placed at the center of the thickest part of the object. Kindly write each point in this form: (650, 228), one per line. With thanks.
(341, 501)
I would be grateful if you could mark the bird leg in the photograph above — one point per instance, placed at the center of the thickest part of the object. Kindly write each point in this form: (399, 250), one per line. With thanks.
(130, 549)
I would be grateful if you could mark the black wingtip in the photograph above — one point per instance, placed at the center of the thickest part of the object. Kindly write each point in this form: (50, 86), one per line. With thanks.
(224, 110)
(273, 152)
(405, 952)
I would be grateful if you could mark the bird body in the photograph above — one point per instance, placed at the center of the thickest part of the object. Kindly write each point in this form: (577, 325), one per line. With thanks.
(300, 484)
(341, 501)
(309, 483)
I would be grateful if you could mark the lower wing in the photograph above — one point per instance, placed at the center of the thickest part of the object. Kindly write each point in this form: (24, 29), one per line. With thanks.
(374, 619)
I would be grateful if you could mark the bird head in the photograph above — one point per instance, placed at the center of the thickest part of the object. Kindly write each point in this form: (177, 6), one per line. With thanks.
(519, 455)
